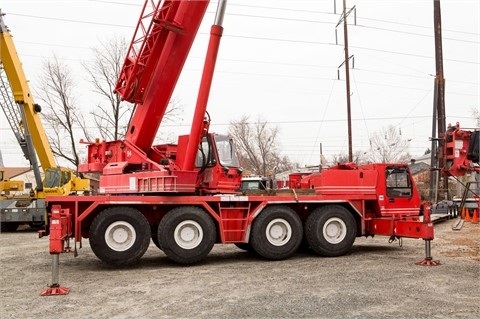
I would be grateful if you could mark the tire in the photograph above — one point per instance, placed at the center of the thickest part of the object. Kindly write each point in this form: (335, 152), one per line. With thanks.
(187, 234)
(8, 227)
(455, 211)
(276, 233)
(119, 236)
(36, 225)
(331, 230)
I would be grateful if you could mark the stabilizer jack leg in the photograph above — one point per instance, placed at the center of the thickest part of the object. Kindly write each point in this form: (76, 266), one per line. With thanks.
(428, 261)
(55, 288)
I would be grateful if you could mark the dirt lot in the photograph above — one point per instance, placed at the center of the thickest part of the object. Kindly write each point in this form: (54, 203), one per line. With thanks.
(376, 280)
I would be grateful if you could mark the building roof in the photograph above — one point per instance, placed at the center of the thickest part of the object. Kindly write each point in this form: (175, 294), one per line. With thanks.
(419, 167)
(12, 172)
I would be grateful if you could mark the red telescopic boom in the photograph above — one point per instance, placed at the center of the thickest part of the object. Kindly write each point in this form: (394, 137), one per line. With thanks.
(155, 59)
(197, 130)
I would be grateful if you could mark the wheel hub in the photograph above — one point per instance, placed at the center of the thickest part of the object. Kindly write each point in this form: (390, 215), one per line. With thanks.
(278, 232)
(188, 234)
(120, 236)
(334, 230)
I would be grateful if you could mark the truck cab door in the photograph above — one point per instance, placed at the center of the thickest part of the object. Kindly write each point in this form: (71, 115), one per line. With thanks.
(399, 193)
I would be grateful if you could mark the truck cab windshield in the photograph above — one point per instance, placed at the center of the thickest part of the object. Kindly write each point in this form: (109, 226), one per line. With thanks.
(398, 182)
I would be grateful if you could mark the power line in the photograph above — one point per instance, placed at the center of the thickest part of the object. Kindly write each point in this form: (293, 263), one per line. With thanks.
(414, 55)
(289, 122)
(72, 21)
(116, 2)
(267, 17)
(413, 33)
(359, 17)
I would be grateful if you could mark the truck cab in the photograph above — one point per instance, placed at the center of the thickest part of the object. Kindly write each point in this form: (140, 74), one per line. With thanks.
(254, 182)
(388, 187)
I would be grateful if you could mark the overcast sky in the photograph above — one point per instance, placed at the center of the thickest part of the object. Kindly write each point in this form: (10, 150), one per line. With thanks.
(279, 61)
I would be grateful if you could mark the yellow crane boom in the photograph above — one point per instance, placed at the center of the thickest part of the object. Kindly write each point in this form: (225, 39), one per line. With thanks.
(23, 115)
(23, 97)
(57, 181)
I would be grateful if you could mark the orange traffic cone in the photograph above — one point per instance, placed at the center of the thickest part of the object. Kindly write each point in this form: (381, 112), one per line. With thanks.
(462, 216)
(467, 215)
(475, 216)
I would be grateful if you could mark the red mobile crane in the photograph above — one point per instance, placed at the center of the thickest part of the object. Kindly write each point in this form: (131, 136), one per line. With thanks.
(185, 197)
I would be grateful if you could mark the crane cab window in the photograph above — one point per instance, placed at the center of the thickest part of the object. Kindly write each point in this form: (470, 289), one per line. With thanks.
(52, 178)
(204, 154)
(398, 182)
(223, 146)
(66, 177)
(226, 151)
(55, 177)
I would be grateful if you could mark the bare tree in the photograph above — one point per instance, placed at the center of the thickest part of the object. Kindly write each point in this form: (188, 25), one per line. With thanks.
(110, 120)
(257, 145)
(61, 113)
(476, 115)
(388, 146)
(111, 117)
(358, 158)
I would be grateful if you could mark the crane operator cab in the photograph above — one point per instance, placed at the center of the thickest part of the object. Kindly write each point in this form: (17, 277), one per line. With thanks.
(218, 164)
(62, 181)
(226, 153)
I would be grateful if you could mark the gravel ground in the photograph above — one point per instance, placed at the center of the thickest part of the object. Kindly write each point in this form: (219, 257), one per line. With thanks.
(375, 280)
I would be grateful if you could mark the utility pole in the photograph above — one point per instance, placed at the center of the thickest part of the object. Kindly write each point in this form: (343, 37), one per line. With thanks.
(438, 106)
(347, 74)
(347, 79)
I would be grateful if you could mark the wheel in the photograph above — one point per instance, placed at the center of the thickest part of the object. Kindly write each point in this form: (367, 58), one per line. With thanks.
(119, 236)
(36, 225)
(187, 234)
(9, 226)
(276, 233)
(455, 211)
(331, 230)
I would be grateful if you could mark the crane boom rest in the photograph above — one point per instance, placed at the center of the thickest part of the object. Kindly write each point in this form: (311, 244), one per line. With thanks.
(23, 115)
(461, 151)
(185, 197)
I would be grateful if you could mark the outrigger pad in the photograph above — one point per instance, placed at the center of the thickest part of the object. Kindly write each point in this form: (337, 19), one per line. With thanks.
(428, 262)
(55, 289)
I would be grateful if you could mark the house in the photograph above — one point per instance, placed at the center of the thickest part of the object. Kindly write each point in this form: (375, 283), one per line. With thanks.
(421, 176)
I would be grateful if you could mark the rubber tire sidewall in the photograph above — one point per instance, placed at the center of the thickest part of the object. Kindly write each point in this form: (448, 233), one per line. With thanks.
(258, 238)
(314, 230)
(114, 214)
(166, 236)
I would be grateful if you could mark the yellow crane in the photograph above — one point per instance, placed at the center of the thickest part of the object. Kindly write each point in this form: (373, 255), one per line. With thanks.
(23, 115)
